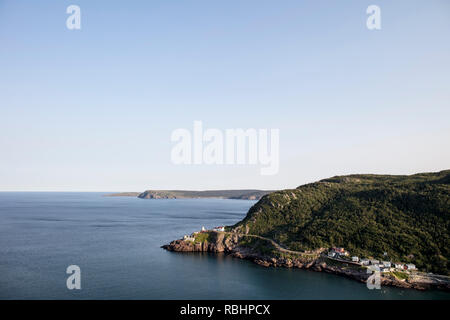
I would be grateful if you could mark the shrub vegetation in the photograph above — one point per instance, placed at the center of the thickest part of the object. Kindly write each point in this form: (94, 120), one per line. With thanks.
(405, 216)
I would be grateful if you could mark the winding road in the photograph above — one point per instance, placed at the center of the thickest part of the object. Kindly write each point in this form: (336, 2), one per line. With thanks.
(275, 244)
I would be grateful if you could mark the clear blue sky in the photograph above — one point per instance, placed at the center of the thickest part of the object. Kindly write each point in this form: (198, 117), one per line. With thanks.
(93, 109)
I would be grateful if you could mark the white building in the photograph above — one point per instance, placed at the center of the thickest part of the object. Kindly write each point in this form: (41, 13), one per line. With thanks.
(386, 264)
(355, 259)
(410, 266)
(365, 262)
(203, 228)
(398, 265)
(331, 254)
(219, 229)
(374, 262)
(188, 238)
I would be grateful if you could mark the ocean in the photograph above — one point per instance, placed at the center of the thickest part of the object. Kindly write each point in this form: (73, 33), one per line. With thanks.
(116, 243)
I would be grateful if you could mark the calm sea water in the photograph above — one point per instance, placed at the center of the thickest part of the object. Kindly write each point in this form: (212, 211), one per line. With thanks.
(116, 242)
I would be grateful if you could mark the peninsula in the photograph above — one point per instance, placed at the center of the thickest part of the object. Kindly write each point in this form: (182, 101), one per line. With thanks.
(397, 224)
(249, 194)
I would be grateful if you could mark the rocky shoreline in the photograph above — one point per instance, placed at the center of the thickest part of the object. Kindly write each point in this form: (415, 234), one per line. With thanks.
(233, 244)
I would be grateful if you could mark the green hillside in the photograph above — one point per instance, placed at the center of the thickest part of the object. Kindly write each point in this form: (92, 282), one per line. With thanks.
(405, 216)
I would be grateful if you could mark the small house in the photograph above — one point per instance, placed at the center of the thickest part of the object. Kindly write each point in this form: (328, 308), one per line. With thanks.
(410, 266)
(355, 259)
(374, 261)
(331, 254)
(365, 262)
(387, 264)
(398, 265)
(219, 229)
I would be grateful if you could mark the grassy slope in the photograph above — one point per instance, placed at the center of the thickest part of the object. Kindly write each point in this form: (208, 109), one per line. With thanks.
(405, 216)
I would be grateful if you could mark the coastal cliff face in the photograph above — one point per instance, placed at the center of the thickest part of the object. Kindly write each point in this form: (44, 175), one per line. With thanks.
(239, 246)
(216, 242)
(236, 246)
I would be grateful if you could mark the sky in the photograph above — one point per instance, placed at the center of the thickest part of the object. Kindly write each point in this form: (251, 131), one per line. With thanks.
(94, 109)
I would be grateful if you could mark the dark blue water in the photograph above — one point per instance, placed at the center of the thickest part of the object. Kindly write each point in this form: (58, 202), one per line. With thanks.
(116, 242)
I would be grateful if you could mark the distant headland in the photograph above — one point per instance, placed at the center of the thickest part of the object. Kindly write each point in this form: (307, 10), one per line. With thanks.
(246, 194)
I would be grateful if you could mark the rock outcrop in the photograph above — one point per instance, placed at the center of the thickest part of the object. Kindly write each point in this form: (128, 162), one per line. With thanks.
(231, 244)
(217, 242)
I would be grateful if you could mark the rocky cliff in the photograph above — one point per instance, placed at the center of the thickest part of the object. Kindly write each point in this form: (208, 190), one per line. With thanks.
(216, 242)
(265, 254)
(240, 246)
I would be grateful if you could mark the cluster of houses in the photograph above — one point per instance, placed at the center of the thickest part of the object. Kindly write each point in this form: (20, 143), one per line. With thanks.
(192, 236)
(384, 266)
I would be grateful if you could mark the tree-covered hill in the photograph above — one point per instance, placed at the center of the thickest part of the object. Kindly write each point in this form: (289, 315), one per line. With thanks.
(405, 216)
